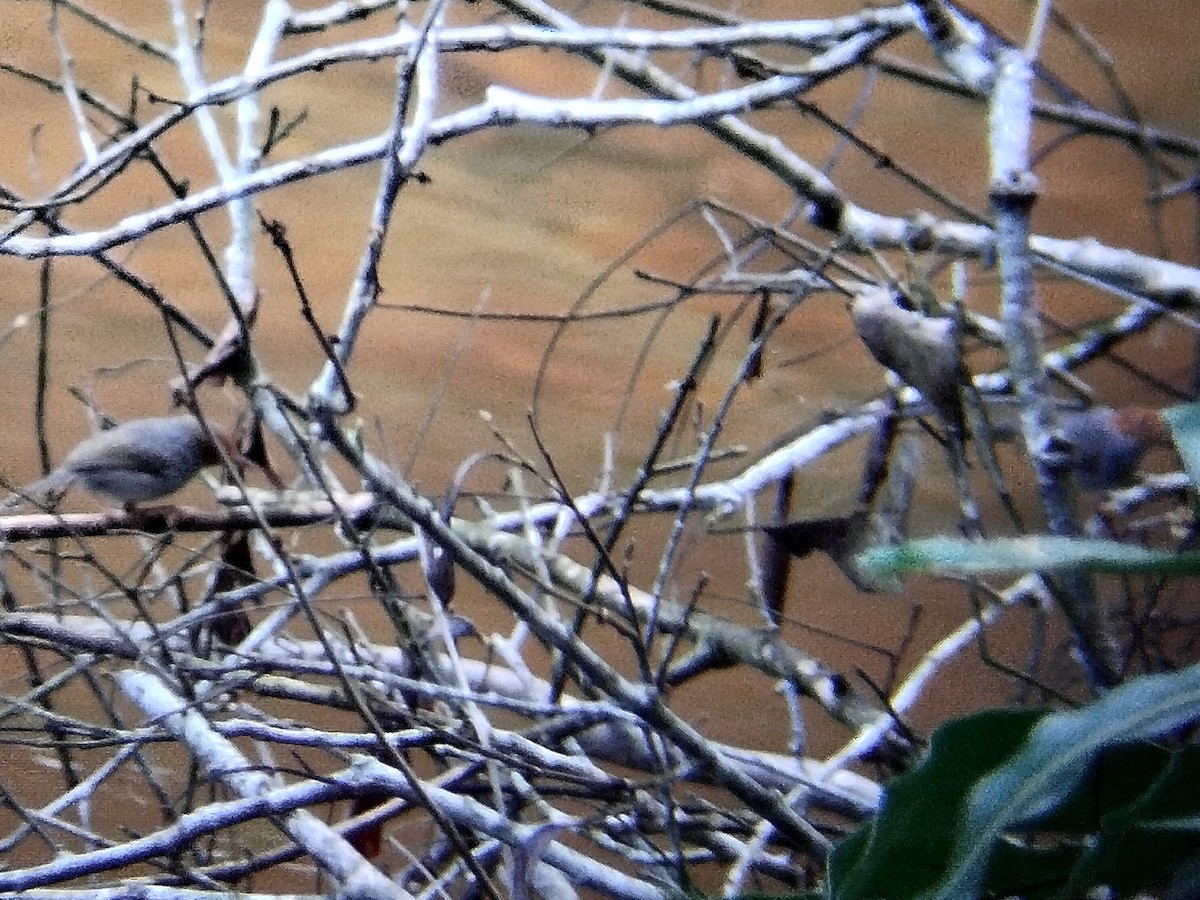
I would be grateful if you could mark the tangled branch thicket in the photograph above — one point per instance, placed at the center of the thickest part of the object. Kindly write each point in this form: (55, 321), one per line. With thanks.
(509, 681)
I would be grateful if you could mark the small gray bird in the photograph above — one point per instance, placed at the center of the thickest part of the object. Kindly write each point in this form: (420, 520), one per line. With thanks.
(139, 460)
(920, 349)
(1105, 446)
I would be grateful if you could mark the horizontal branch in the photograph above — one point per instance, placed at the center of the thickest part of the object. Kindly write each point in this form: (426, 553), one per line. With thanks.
(363, 510)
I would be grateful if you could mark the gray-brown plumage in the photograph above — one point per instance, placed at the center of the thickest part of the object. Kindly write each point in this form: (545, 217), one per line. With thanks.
(921, 349)
(143, 459)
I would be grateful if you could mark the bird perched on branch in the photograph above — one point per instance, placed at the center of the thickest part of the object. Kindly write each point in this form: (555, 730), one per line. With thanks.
(923, 350)
(1104, 446)
(139, 460)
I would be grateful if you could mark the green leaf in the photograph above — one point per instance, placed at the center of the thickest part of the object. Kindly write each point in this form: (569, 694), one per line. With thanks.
(1184, 420)
(1117, 812)
(1037, 805)
(906, 849)
(1186, 823)
(1058, 755)
(1031, 553)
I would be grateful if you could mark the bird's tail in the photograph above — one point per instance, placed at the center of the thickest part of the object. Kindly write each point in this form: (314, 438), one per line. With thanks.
(43, 492)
